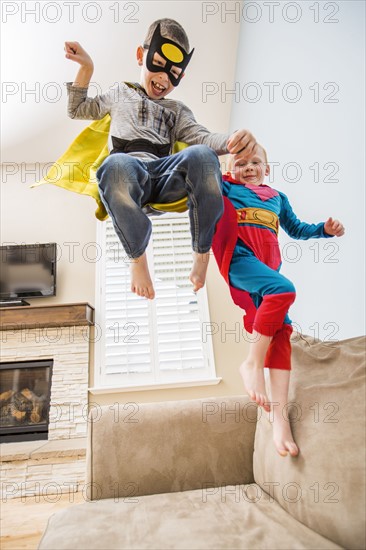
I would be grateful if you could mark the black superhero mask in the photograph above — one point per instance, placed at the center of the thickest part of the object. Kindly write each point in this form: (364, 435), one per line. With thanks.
(171, 52)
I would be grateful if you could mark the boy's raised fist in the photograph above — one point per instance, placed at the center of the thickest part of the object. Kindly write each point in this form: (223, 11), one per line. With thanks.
(75, 52)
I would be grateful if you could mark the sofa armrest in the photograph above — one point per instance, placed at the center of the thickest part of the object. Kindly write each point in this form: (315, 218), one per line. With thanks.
(170, 446)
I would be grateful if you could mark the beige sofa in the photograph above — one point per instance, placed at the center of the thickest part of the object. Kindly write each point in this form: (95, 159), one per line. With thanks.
(205, 474)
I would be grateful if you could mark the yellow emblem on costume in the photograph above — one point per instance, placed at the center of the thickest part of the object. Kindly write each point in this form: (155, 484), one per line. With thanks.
(76, 169)
(259, 216)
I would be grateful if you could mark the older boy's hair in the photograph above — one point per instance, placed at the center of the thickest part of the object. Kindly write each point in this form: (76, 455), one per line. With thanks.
(170, 29)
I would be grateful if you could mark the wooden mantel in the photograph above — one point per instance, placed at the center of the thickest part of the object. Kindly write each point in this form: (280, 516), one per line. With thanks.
(61, 315)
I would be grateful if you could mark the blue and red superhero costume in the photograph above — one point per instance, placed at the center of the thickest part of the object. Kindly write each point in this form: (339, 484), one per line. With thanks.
(247, 251)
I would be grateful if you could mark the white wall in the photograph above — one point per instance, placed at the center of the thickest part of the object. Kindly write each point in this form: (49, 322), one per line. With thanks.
(328, 274)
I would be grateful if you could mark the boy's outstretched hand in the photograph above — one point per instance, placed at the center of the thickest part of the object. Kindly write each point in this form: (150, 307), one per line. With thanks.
(76, 53)
(334, 227)
(241, 143)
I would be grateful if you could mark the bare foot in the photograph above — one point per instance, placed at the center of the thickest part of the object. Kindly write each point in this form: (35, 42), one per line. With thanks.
(141, 282)
(253, 378)
(282, 435)
(199, 270)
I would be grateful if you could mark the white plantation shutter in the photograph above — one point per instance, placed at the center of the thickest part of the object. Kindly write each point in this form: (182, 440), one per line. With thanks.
(144, 342)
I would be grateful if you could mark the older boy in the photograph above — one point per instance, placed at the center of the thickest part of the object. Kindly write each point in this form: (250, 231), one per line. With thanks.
(144, 127)
(246, 248)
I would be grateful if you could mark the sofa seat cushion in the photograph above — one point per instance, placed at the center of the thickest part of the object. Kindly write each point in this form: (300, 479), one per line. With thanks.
(323, 487)
(240, 516)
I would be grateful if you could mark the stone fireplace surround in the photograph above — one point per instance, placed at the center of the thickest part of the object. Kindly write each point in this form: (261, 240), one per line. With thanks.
(60, 333)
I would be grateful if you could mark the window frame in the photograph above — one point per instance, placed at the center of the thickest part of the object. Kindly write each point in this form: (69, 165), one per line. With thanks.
(103, 382)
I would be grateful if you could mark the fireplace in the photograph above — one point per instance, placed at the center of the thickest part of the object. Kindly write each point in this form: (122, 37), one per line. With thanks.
(25, 400)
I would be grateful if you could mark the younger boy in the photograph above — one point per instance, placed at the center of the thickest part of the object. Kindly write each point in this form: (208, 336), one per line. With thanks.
(246, 248)
(144, 126)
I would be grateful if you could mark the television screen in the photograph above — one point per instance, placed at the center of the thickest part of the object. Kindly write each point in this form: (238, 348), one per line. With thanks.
(27, 271)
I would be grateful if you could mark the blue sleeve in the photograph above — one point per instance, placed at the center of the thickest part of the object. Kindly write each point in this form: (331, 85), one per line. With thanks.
(225, 186)
(294, 227)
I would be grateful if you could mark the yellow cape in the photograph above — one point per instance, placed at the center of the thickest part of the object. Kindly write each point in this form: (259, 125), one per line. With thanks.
(76, 169)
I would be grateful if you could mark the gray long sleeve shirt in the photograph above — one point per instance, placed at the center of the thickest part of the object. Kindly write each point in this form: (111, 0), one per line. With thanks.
(134, 116)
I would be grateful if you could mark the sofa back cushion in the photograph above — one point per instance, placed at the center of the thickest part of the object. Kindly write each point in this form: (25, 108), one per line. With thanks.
(323, 487)
(141, 449)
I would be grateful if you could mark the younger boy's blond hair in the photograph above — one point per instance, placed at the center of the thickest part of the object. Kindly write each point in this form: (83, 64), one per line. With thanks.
(230, 162)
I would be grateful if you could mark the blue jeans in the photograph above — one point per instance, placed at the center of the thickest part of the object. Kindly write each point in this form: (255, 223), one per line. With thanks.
(127, 184)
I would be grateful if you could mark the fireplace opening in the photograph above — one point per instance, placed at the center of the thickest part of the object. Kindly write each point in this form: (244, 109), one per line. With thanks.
(25, 388)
